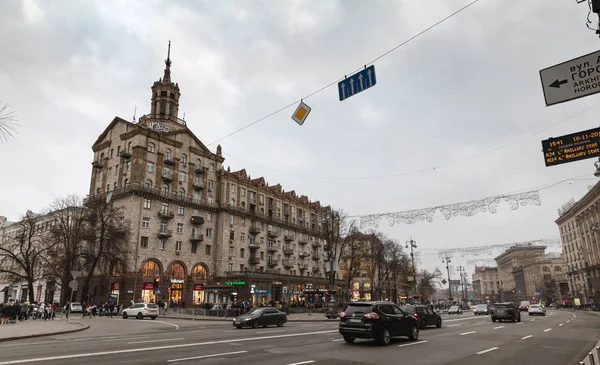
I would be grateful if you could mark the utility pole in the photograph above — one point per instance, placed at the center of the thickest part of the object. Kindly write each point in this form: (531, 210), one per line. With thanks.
(446, 260)
(463, 273)
(413, 244)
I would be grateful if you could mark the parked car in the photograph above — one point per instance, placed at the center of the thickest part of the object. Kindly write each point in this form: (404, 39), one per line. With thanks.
(536, 309)
(260, 317)
(425, 315)
(141, 310)
(76, 307)
(377, 320)
(481, 309)
(455, 310)
(506, 311)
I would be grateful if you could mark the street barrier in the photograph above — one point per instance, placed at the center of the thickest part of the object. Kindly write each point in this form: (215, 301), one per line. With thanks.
(593, 357)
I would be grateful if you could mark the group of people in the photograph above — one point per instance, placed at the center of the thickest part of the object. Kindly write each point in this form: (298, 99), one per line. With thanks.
(15, 310)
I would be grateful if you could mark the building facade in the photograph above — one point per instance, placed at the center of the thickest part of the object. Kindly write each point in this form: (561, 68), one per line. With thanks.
(545, 279)
(578, 224)
(202, 233)
(486, 284)
(514, 257)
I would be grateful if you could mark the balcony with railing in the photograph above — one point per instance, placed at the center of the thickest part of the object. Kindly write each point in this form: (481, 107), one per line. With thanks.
(98, 164)
(166, 214)
(198, 185)
(273, 233)
(288, 251)
(199, 170)
(197, 220)
(254, 229)
(315, 255)
(253, 245)
(272, 248)
(288, 237)
(288, 264)
(165, 233)
(196, 237)
(315, 244)
(304, 254)
(315, 269)
(271, 262)
(125, 154)
(169, 161)
(167, 177)
(254, 260)
(302, 266)
(303, 240)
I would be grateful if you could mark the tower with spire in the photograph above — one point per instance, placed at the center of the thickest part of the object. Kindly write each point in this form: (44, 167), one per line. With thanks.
(165, 94)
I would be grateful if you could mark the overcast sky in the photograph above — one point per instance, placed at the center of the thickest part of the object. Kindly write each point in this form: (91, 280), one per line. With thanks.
(467, 86)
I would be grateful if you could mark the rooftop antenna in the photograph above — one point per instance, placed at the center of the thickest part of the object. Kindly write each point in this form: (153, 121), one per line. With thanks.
(134, 112)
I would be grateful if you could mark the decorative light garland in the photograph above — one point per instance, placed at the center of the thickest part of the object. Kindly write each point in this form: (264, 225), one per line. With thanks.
(465, 209)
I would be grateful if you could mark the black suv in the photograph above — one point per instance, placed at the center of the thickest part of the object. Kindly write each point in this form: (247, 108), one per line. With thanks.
(505, 311)
(378, 320)
(425, 315)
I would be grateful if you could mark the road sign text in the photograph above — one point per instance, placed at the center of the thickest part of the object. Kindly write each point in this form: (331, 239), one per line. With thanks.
(572, 147)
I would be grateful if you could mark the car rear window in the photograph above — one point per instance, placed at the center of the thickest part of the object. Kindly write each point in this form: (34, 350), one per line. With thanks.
(534, 306)
(408, 309)
(152, 305)
(500, 305)
(359, 309)
(481, 306)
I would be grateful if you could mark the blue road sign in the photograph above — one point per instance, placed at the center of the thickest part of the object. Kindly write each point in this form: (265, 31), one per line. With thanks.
(356, 83)
(157, 291)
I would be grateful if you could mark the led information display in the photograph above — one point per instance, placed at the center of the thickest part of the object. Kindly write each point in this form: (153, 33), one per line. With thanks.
(572, 147)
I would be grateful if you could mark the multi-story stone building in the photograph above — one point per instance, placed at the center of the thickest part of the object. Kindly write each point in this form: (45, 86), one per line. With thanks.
(545, 278)
(207, 234)
(580, 233)
(514, 257)
(486, 284)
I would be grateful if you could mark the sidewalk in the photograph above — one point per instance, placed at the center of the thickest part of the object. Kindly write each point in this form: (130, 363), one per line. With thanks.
(294, 317)
(39, 328)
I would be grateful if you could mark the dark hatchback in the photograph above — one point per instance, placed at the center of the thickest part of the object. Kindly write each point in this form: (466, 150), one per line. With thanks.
(505, 312)
(425, 315)
(377, 320)
(260, 317)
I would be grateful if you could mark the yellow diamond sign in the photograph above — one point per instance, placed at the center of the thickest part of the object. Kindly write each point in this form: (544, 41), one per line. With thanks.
(301, 113)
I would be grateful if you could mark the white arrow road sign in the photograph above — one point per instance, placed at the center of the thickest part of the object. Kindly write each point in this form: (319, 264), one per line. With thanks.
(73, 284)
(572, 79)
(75, 274)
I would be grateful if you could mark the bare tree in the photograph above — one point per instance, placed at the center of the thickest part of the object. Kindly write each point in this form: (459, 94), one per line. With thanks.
(350, 259)
(106, 236)
(22, 253)
(336, 227)
(7, 123)
(66, 233)
(429, 282)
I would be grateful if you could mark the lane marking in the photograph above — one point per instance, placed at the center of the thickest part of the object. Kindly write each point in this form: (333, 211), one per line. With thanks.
(126, 338)
(161, 340)
(170, 324)
(270, 331)
(462, 334)
(413, 343)
(568, 321)
(155, 348)
(453, 325)
(526, 337)
(460, 319)
(532, 320)
(337, 339)
(560, 325)
(498, 327)
(207, 356)
(303, 362)
(485, 351)
(520, 323)
(548, 329)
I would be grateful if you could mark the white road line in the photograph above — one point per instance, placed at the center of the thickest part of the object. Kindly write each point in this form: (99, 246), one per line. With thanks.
(532, 320)
(412, 343)
(161, 340)
(548, 329)
(560, 325)
(270, 331)
(568, 321)
(156, 348)
(526, 337)
(498, 327)
(460, 319)
(520, 323)
(207, 356)
(462, 334)
(124, 338)
(453, 325)
(303, 362)
(488, 350)
(167, 323)
(337, 339)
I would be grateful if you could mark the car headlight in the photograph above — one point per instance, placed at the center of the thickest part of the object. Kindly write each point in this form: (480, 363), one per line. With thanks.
(247, 319)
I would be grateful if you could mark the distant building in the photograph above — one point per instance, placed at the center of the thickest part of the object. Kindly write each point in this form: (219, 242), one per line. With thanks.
(514, 257)
(486, 284)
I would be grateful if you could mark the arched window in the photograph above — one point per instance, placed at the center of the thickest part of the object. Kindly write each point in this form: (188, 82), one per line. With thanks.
(117, 269)
(98, 191)
(198, 163)
(184, 159)
(177, 271)
(232, 203)
(129, 147)
(126, 185)
(196, 197)
(199, 272)
(181, 193)
(151, 268)
(148, 184)
(168, 154)
(557, 269)
(102, 157)
(151, 147)
(211, 167)
(545, 269)
(166, 190)
(243, 205)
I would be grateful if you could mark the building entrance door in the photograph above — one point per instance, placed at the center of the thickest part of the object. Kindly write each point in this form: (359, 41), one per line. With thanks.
(176, 294)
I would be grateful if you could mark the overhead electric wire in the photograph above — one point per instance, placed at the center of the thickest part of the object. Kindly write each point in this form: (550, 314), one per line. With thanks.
(340, 79)
(425, 169)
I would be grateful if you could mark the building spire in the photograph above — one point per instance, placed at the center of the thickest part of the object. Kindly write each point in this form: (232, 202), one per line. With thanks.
(167, 76)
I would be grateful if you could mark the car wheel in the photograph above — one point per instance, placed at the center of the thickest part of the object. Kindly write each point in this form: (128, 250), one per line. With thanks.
(423, 325)
(439, 323)
(153, 317)
(139, 316)
(124, 315)
(519, 318)
(255, 323)
(386, 337)
(280, 323)
(493, 319)
(238, 327)
(349, 339)
(414, 334)
(264, 326)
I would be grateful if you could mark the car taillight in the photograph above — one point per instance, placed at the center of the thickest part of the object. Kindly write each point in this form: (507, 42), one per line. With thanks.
(416, 315)
(372, 316)
(342, 314)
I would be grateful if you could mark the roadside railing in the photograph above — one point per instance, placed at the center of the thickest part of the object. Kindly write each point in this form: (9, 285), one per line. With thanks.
(593, 357)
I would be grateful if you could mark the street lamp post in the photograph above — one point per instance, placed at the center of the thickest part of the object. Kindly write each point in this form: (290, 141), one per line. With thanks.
(463, 273)
(413, 244)
(447, 261)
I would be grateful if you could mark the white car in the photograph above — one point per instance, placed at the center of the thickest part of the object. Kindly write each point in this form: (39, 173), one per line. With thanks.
(455, 310)
(141, 310)
(536, 309)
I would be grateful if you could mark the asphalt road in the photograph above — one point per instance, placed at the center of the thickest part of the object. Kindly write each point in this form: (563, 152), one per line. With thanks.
(561, 338)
